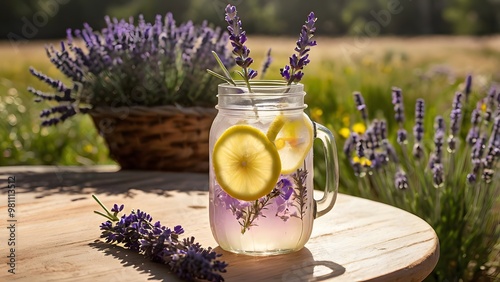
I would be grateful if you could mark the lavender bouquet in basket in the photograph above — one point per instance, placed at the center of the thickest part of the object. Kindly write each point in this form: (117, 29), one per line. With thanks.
(131, 63)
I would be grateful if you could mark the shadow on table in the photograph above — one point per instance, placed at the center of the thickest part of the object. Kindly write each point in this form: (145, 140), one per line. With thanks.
(294, 267)
(155, 271)
(75, 181)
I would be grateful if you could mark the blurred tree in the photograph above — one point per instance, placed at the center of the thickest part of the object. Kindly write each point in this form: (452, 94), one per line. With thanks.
(32, 19)
(473, 17)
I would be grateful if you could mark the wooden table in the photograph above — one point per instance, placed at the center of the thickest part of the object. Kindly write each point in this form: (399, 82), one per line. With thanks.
(56, 231)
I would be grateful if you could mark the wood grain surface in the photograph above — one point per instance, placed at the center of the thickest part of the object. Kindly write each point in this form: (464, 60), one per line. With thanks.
(57, 232)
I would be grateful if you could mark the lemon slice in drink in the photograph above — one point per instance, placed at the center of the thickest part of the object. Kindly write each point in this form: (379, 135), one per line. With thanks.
(246, 164)
(292, 137)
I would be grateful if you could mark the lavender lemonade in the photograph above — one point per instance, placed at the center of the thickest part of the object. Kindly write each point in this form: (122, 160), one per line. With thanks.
(280, 221)
(260, 150)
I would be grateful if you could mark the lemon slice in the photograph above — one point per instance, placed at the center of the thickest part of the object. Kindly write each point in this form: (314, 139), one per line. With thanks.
(293, 138)
(246, 164)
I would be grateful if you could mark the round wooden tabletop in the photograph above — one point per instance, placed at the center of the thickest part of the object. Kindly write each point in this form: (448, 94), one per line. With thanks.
(56, 231)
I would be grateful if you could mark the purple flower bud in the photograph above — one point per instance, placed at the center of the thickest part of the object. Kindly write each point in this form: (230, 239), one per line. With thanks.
(468, 86)
(401, 180)
(116, 208)
(488, 175)
(456, 114)
(438, 175)
(252, 73)
(401, 136)
(471, 178)
(267, 63)
(360, 148)
(473, 135)
(439, 124)
(475, 117)
(383, 130)
(418, 151)
(390, 151)
(360, 105)
(397, 101)
(478, 149)
(350, 144)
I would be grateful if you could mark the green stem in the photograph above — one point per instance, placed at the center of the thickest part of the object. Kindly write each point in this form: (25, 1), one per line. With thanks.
(111, 216)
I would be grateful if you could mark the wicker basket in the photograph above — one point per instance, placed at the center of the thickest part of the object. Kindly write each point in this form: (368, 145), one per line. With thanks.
(164, 138)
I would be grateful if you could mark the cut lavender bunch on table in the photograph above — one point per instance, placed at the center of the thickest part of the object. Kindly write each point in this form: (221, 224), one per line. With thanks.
(137, 232)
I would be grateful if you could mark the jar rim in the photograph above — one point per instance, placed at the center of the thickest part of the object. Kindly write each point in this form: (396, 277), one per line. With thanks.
(261, 88)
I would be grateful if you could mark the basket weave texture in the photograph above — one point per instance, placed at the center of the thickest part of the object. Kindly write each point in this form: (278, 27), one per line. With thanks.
(166, 138)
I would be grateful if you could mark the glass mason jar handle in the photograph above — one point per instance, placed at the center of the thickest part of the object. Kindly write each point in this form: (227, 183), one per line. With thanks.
(325, 204)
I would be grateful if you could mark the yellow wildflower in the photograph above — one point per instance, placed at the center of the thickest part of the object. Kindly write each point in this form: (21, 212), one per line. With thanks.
(483, 107)
(88, 148)
(359, 128)
(344, 132)
(363, 161)
(316, 113)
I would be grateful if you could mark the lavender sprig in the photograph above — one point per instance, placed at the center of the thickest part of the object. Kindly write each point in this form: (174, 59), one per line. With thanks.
(418, 129)
(301, 193)
(455, 121)
(185, 258)
(267, 63)
(293, 72)
(361, 106)
(238, 38)
(397, 101)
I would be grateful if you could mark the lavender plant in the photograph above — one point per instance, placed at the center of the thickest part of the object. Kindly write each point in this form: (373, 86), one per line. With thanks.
(291, 73)
(451, 182)
(137, 232)
(127, 64)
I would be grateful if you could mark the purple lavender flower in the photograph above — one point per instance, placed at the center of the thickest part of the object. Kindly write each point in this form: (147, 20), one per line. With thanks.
(456, 114)
(439, 124)
(238, 39)
(397, 101)
(418, 129)
(350, 144)
(360, 105)
(236, 206)
(437, 154)
(455, 120)
(401, 180)
(267, 63)
(401, 136)
(383, 130)
(438, 175)
(284, 201)
(468, 87)
(473, 133)
(293, 73)
(471, 178)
